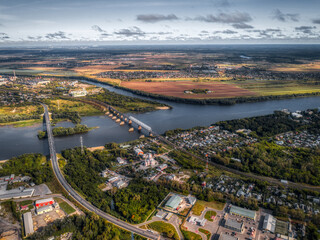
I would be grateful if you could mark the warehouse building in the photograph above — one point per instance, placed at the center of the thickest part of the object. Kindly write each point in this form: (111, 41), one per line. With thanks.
(44, 209)
(242, 212)
(233, 225)
(44, 202)
(28, 223)
(173, 202)
(269, 223)
(16, 193)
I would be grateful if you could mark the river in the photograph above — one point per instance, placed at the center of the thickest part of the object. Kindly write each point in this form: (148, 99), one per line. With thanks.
(16, 141)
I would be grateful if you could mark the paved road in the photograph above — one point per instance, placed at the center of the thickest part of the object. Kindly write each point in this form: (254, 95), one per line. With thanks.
(77, 197)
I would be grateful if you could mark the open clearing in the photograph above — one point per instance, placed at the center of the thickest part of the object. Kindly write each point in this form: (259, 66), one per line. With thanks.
(176, 89)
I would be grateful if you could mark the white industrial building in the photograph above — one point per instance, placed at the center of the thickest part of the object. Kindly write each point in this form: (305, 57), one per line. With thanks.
(28, 223)
(44, 209)
(195, 220)
(16, 193)
(269, 223)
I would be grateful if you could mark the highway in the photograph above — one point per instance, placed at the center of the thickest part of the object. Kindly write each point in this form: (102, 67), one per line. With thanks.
(77, 197)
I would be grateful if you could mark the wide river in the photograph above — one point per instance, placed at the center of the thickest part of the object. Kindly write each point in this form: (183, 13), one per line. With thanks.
(16, 141)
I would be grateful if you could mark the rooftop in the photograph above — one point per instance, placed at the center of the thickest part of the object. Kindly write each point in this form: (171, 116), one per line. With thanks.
(16, 193)
(234, 224)
(243, 212)
(269, 223)
(28, 223)
(44, 200)
(174, 201)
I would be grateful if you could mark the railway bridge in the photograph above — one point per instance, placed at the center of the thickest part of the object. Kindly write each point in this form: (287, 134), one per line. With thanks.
(120, 117)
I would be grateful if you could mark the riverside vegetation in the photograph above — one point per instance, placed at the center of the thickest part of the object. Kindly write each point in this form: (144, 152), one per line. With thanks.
(65, 131)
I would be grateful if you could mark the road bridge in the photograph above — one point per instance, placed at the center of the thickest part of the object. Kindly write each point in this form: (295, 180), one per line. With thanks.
(80, 200)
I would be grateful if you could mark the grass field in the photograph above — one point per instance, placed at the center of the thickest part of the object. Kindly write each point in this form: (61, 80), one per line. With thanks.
(24, 110)
(269, 88)
(165, 229)
(22, 123)
(200, 205)
(84, 109)
(65, 206)
(197, 209)
(190, 235)
(209, 215)
(26, 202)
(206, 232)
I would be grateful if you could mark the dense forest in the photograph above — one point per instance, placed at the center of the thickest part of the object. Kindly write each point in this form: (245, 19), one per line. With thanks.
(132, 204)
(263, 126)
(269, 159)
(272, 124)
(63, 131)
(84, 228)
(33, 165)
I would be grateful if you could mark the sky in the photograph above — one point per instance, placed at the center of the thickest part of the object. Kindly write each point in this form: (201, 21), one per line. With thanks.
(159, 21)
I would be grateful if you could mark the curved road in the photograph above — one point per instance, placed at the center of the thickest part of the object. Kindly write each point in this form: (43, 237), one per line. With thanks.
(77, 197)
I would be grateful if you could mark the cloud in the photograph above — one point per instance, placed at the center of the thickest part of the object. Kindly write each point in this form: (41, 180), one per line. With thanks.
(284, 17)
(56, 36)
(153, 18)
(130, 32)
(4, 36)
(269, 33)
(316, 21)
(37, 38)
(236, 17)
(97, 28)
(222, 3)
(228, 31)
(305, 29)
(242, 26)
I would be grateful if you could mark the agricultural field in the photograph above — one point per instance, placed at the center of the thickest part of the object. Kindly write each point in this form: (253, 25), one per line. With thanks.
(177, 89)
(235, 73)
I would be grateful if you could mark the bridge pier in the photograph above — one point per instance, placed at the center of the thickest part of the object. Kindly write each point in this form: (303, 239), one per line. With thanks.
(114, 118)
(122, 123)
(150, 134)
(118, 120)
(130, 122)
(139, 128)
(131, 129)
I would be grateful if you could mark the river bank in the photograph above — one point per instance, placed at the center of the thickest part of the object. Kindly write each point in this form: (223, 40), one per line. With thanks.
(14, 141)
